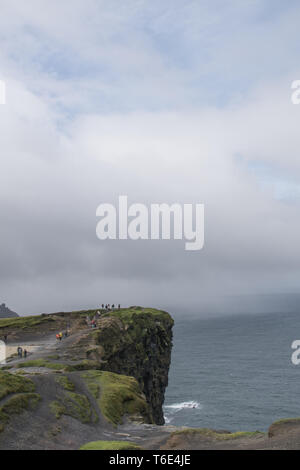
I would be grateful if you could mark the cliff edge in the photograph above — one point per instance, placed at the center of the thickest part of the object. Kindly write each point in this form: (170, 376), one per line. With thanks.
(135, 342)
(109, 370)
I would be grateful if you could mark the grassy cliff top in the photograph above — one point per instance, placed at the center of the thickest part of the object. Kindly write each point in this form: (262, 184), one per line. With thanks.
(34, 322)
(128, 314)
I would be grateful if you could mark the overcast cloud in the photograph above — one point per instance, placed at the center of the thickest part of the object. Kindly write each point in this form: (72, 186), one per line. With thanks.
(168, 101)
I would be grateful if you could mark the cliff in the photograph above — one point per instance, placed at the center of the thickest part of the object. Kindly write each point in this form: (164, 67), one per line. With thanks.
(138, 342)
(66, 393)
(135, 342)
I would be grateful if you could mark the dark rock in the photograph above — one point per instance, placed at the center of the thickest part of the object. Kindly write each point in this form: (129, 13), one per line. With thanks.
(5, 312)
(140, 346)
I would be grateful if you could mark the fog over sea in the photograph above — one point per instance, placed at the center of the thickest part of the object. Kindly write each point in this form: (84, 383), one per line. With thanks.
(233, 373)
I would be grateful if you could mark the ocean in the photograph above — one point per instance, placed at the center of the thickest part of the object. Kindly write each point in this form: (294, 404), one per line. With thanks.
(233, 373)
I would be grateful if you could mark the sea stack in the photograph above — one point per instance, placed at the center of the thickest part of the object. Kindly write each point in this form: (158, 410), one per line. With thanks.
(5, 312)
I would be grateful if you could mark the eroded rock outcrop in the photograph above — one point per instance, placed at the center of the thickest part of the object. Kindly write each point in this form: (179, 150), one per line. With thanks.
(5, 312)
(138, 342)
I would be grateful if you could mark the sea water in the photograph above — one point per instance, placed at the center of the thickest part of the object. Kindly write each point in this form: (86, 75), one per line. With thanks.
(233, 373)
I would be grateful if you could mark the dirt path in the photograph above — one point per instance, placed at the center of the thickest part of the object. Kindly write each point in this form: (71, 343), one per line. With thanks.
(42, 348)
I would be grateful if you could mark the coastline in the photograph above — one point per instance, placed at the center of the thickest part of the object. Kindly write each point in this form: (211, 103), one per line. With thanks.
(57, 388)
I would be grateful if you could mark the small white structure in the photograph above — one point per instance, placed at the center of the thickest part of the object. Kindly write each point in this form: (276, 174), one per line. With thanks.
(2, 352)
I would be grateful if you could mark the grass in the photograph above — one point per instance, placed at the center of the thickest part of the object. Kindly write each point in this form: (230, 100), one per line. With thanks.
(54, 431)
(276, 426)
(129, 314)
(23, 398)
(6, 367)
(65, 382)
(111, 445)
(210, 433)
(86, 364)
(25, 322)
(120, 395)
(75, 405)
(33, 321)
(42, 363)
(20, 402)
(10, 383)
(286, 421)
(38, 320)
(79, 407)
(57, 408)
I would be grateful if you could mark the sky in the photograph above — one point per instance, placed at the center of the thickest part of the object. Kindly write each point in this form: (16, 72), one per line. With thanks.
(165, 102)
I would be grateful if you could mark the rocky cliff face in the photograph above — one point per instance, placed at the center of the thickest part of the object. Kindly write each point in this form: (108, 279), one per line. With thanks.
(138, 342)
(134, 342)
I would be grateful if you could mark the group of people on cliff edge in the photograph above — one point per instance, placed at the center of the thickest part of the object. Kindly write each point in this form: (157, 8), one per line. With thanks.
(109, 307)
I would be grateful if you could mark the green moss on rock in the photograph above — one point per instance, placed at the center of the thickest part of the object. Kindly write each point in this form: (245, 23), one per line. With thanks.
(117, 395)
(216, 435)
(75, 405)
(111, 445)
(287, 421)
(57, 408)
(42, 363)
(80, 407)
(10, 383)
(283, 425)
(21, 389)
(20, 402)
(65, 382)
(86, 365)
(137, 342)
(25, 322)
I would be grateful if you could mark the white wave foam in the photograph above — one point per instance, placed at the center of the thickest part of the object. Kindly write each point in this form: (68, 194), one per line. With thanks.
(183, 405)
(167, 420)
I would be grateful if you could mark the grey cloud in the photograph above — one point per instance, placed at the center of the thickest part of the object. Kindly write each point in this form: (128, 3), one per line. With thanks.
(56, 167)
